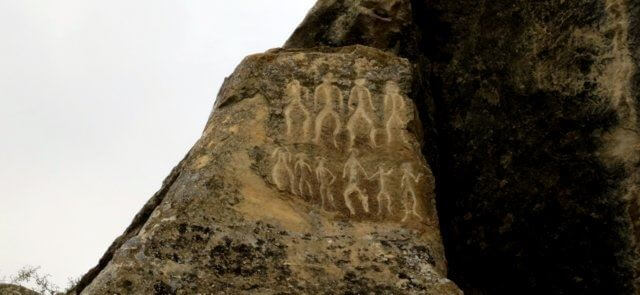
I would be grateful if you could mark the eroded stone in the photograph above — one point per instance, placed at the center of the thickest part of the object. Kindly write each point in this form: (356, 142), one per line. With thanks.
(308, 179)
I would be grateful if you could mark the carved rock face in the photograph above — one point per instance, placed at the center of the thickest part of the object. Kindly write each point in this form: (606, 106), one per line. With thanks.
(308, 179)
(343, 143)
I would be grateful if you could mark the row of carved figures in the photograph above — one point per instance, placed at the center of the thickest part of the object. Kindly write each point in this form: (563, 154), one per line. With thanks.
(329, 104)
(295, 174)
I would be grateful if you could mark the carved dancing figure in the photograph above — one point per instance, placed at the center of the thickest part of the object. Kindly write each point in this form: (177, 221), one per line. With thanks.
(325, 179)
(281, 172)
(361, 98)
(383, 193)
(330, 97)
(408, 184)
(295, 110)
(351, 168)
(304, 171)
(395, 104)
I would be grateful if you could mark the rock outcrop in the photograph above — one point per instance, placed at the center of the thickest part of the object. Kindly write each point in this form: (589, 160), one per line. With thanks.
(532, 106)
(321, 164)
(308, 179)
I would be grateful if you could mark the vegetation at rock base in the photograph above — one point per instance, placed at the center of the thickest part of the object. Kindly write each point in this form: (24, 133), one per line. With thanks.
(34, 280)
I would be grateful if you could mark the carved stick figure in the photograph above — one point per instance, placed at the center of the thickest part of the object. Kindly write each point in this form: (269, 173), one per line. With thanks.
(331, 98)
(303, 170)
(281, 172)
(295, 107)
(361, 98)
(384, 188)
(396, 123)
(353, 166)
(325, 179)
(408, 184)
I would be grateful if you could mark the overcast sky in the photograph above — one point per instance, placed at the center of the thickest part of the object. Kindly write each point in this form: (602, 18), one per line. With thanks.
(98, 101)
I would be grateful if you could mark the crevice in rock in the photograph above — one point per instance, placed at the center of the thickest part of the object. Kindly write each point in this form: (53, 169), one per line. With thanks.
(431, 33)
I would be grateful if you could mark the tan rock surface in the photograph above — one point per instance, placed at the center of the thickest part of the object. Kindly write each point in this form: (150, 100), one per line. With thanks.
(529, 111)
(308, 179)
(8, 289)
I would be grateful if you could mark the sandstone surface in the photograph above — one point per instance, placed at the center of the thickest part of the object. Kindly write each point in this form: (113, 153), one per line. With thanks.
(308, 179)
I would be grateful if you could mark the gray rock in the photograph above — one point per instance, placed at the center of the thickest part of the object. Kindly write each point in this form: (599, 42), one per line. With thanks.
(384, 24)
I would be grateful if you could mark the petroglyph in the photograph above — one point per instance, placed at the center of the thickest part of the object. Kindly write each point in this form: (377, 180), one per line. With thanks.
(325, 179)
(408, 185)
(281, 172)
(384, 193)
(353, 169)
(361, 109)
(395, 110)
(329, 105)
(296, 111)
(304, 174)
(330, 97)
(308, 160)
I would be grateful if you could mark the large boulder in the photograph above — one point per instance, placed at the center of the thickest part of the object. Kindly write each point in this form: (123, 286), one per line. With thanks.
(308, 179)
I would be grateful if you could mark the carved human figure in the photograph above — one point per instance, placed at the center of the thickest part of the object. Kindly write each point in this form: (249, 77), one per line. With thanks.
(408, 185)
(352, 169)
(325, 179)
(361, 109)
(304, 174)
(296, 111)
(394, 106)
(383, 193)
(330, 98)
(281, 172)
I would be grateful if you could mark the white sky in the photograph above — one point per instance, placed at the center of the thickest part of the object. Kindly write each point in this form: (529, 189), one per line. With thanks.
(98, 101)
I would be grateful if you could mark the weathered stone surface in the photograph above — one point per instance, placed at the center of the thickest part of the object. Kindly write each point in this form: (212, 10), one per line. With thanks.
(8, 289)
(529, 123)
(533, 108)
(383, 24)
(308, 179)
(537, 117)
